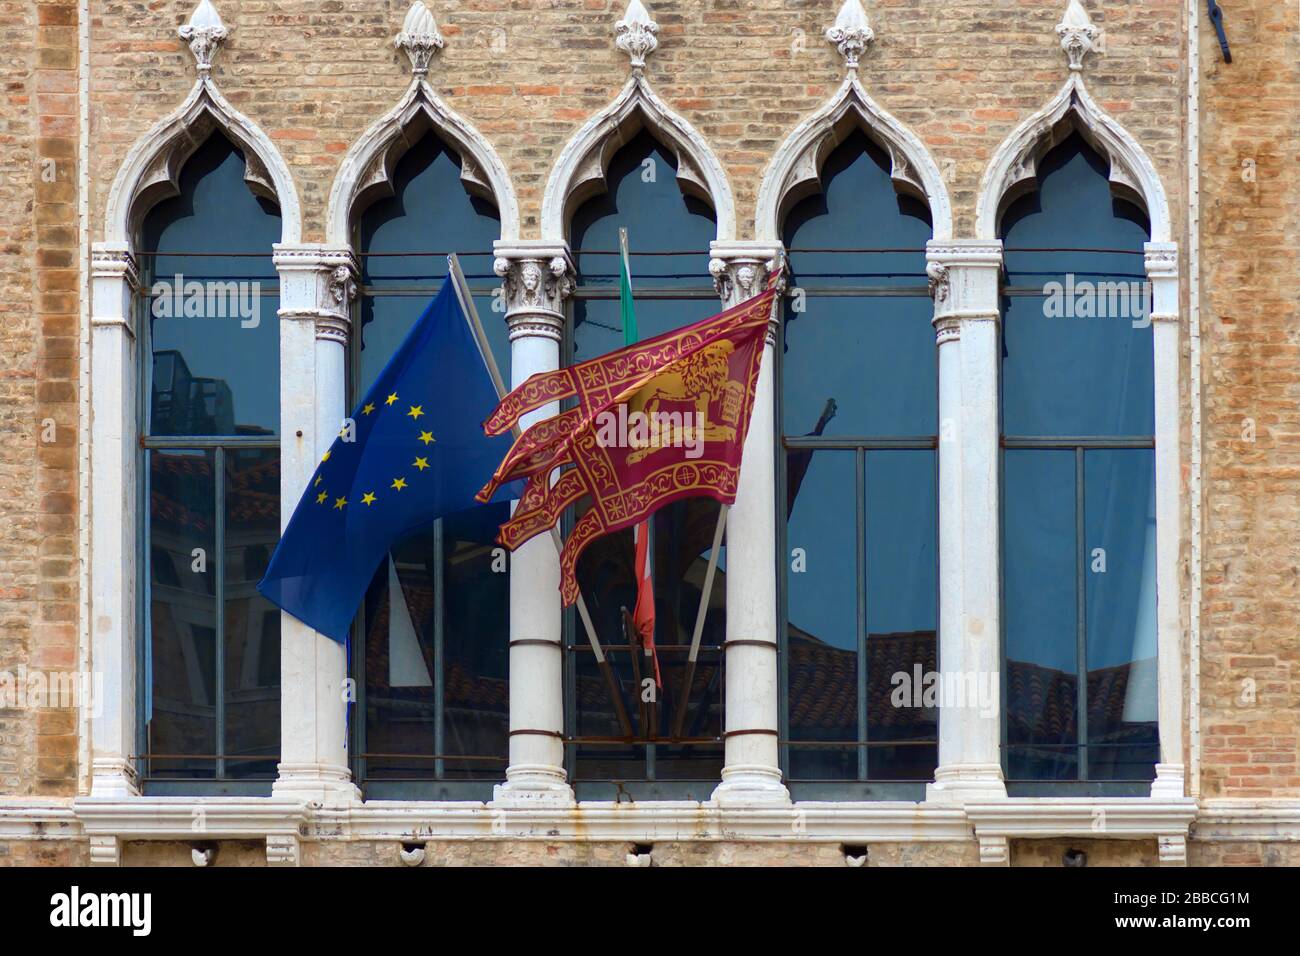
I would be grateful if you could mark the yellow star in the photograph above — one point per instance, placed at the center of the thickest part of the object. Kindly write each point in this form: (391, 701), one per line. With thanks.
(416, 411)
(426, 437)
(421, 463)
(390, 399)
(339, 503)
(368, 498)
(318, 479)
(320, 498)
(325, 457)
(399, 483)
(370, 407)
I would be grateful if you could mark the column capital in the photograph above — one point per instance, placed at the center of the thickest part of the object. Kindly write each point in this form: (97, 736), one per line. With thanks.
(965, 276)
(318, 283)
(114, 260)
(537, 277)
(1161, 260)
(114, 278)
(741, 270)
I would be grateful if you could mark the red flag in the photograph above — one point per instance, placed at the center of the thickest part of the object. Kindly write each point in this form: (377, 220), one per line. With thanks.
(644, 615)
(654, 423)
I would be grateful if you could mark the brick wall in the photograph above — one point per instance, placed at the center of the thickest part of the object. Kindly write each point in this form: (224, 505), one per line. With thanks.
(962, 75)
(38, 374)
(1250, 189)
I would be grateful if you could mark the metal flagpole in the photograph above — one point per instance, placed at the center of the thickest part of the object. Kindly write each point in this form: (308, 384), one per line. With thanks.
(679, 718)
(480, 337)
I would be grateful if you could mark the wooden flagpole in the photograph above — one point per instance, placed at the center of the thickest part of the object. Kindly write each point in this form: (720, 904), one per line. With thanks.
(485, 350)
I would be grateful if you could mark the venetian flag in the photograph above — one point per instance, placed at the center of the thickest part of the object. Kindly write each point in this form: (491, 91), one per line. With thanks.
(707, 370)
(644, 615)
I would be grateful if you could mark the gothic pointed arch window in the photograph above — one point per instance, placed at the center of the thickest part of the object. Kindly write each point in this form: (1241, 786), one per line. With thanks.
(669, 228)
(210, 424)
(430, 645)
(857, 500)
(1079, 492)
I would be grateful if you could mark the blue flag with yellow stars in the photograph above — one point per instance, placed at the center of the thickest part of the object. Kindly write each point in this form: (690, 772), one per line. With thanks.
(412, 451)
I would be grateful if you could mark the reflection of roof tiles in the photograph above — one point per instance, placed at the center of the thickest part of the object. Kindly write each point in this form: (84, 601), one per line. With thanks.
(252, 492)
(823, 685)
(824, 680)
(166, 511)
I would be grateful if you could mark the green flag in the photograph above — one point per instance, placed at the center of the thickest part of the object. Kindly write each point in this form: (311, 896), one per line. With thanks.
(626, 311)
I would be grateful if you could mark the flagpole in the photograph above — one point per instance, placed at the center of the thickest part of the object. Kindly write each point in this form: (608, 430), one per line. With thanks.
(630, 336)
(485, 350)
(679, 718)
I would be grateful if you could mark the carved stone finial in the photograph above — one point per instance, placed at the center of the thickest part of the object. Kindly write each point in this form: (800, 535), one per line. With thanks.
(419, 38)
(635, 34)
(1078, 35)
(851, 32)
(204, 34)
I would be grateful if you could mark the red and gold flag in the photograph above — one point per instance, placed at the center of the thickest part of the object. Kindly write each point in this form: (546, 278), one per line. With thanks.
(654, 422)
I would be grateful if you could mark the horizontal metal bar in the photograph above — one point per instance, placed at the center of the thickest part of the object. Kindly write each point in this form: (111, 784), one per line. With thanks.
(476, 759)
(152, 756)
(624, 741)
(206, 442)
(865, 292)
(869, 443)
(858, 744)
(1078, 441)
(661, 648)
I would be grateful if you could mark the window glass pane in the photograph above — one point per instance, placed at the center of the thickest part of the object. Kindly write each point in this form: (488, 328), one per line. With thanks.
(1119, 513)
(430, 212)
(182, 613)
(682, 537)
(1074, 214)
(476, 653)
(400, 660)
(1063, 376)
(1040, 568)
(211, 307)
(858, 209)
(252, 623)
(902, 613)
(1077, 344)
(874, 357)
(822, 596)
(645, 199)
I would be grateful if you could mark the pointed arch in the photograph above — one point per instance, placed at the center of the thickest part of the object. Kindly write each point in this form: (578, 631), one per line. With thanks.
(579, 173)
(152, 168)
(367, 170)
(795, 171)
(1012, 172)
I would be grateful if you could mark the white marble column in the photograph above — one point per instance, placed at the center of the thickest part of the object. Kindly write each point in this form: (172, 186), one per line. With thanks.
(317, 284)
(1162, 271)
(751, 773)
(115, 450)
(538, 277)
(965, 278)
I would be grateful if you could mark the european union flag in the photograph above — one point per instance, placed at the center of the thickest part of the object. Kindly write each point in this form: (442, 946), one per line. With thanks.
(412, 451)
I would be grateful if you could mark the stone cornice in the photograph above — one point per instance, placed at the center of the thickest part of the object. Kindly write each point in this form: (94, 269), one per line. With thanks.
(174, 818)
